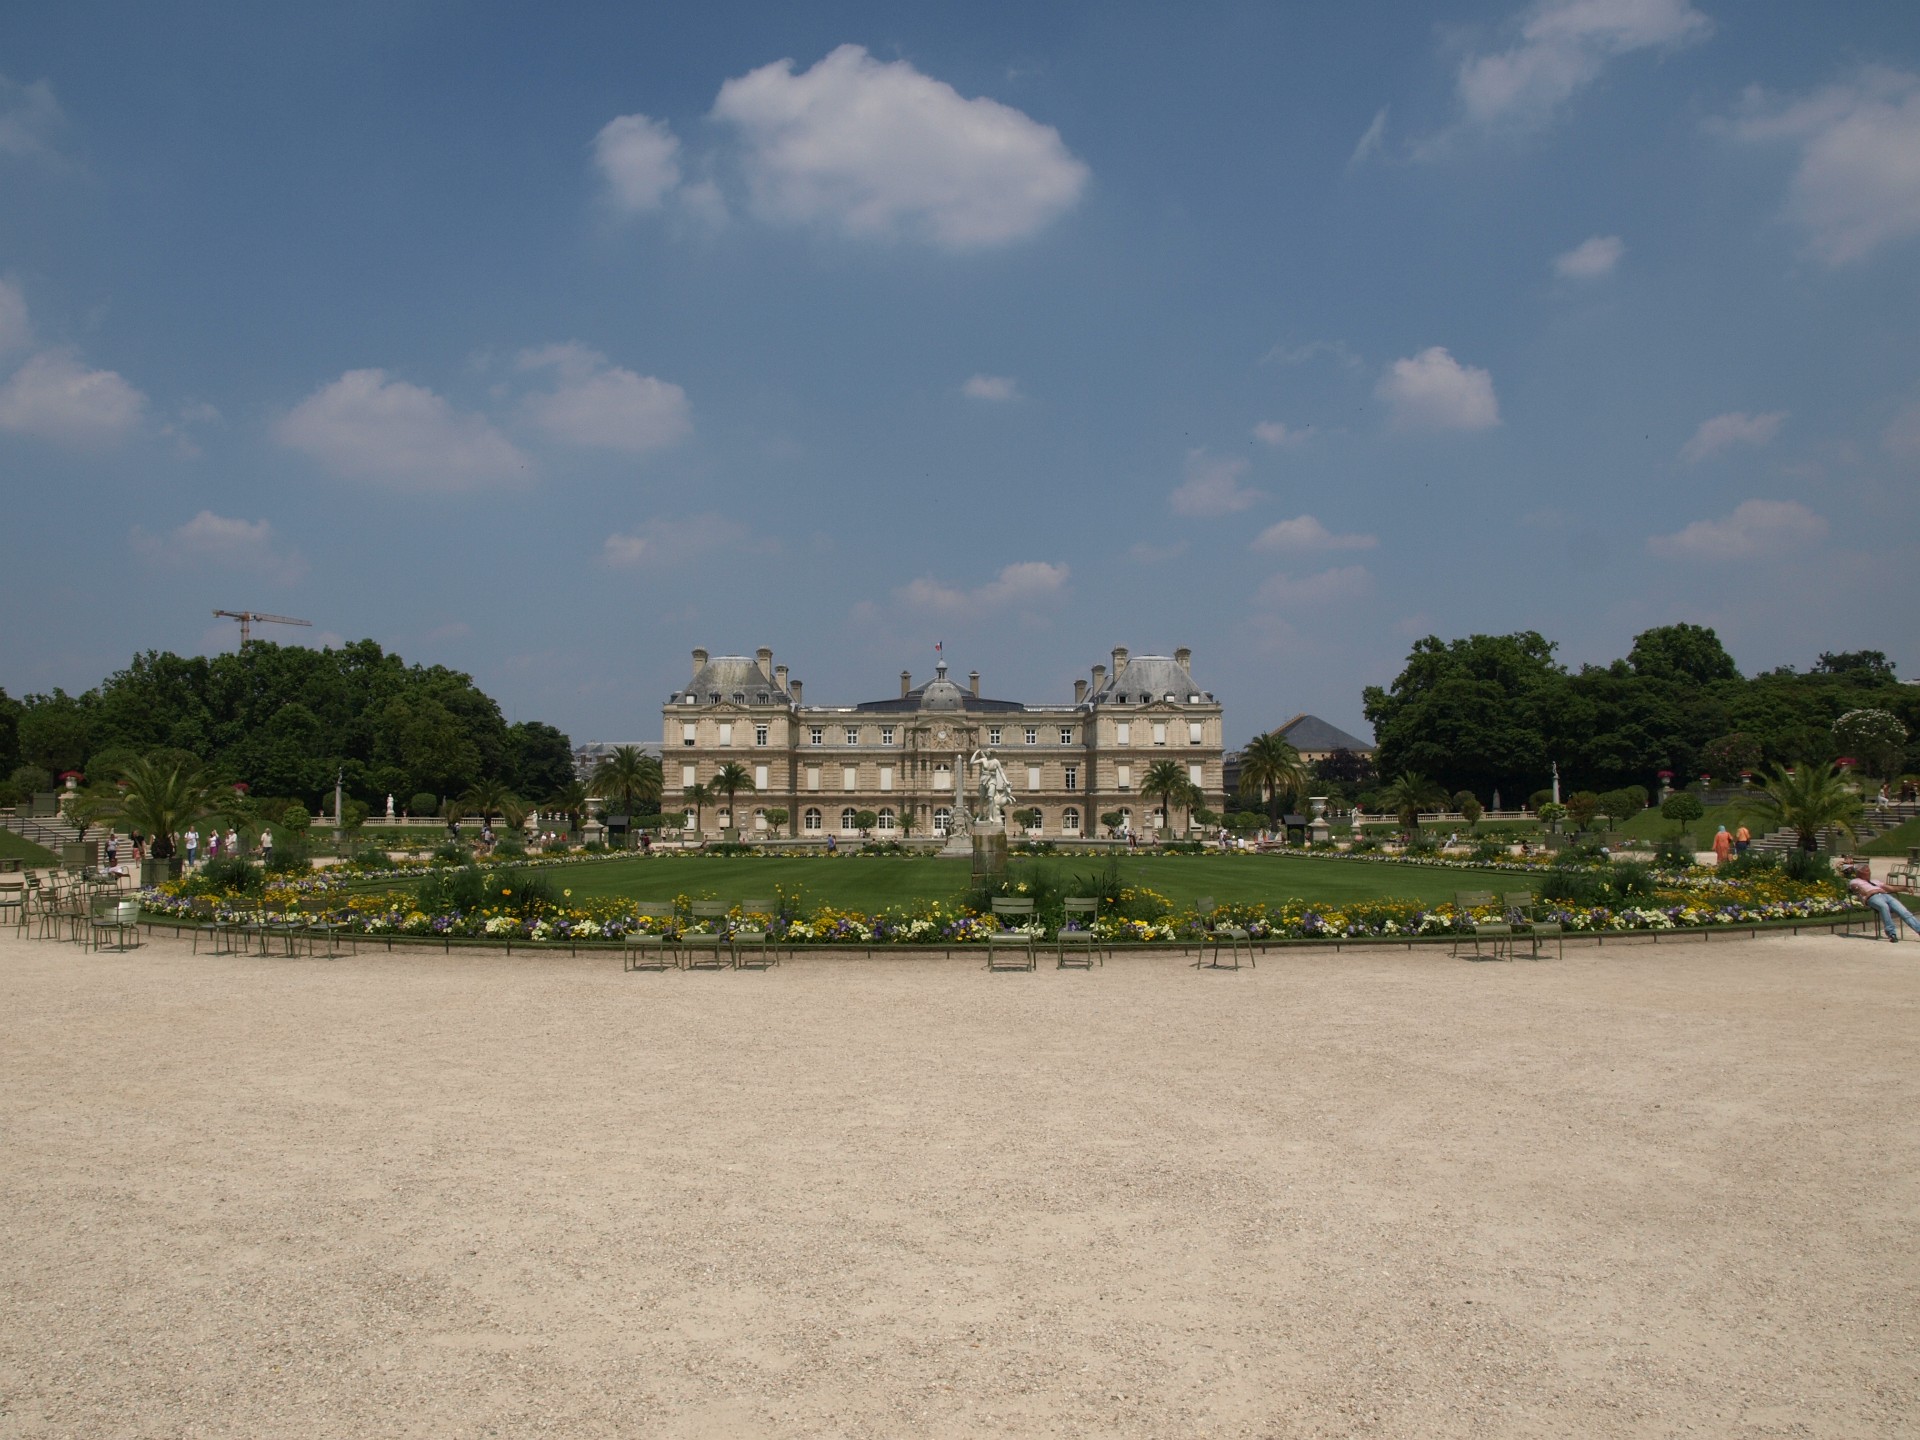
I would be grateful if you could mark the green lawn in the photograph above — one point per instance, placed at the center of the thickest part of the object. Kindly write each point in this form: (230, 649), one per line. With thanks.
(1896, 841)
(875, 884)
(1650, 824)
(15, 847)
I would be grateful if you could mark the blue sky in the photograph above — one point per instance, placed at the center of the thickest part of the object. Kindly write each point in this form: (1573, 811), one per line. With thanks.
(550, 342)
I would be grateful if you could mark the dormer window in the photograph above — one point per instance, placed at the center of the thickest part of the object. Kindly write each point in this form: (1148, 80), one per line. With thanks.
(739, 697)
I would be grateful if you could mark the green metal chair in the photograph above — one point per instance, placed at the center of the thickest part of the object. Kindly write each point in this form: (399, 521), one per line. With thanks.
(707, 935)
(1076, 934)
(118, 918)
(651, 949)
(1008, 917)
(1524, 906)
(1218, 930)
(1495, 935)
(755, 928)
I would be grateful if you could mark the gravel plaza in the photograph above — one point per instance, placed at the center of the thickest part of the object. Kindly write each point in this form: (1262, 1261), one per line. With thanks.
(1641, 1190)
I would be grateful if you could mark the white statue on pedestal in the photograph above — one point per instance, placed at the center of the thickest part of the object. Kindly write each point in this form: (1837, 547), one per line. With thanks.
(994, 789)
(389, 807)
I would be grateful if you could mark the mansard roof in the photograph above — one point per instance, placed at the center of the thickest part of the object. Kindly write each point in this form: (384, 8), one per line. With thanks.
(738, 678)
(1311, 733)
(1149, 677)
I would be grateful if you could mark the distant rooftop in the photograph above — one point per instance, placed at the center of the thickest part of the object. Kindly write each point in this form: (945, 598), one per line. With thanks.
(1309, 733)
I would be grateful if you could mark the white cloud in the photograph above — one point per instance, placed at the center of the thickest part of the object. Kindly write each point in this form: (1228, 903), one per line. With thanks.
(1371, 141)
(218, 542)
(1272, 432)
(16, 326)
(991, 387)
(1336, 350)
(638, 157)
(1734, 428)
(55, 397)
(597, 404)
(1434, 391)
(879, 150)
(1329, 587)
(1857, 186)
(366, 427)
(1563, 45)
(29, 119)
(1755, 529)
(1021, 583)
(1303, 532)
(665, 542)
(1590, 259)
(1902, 435)
(1212, 487)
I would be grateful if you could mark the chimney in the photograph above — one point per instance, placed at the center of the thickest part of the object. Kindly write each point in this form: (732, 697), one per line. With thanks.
(906, 683)
(793, 688)
(1079, 692)
(1183, 657)
(1119, 661)
(780, 676)
(1099, 679)
(973, 683)
(699, 659)
(765, 657)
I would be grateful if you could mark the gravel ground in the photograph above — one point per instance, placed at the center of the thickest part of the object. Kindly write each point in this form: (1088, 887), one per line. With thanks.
(1643, 1190)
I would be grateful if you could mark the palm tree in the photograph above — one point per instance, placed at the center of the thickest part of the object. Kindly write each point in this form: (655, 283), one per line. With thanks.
(163, 794)
(1166, 781)
(571, 801)
(1810, 799)
(729, 780)
(1411, 794)
(628, 775)
(1270, 767)
(697, 796)
(489, 797)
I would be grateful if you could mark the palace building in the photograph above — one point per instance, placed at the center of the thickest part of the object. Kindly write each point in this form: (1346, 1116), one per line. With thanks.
(898, 757)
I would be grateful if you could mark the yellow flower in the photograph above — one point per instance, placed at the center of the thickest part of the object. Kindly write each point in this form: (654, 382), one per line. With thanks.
(506, 892)
(567, 893)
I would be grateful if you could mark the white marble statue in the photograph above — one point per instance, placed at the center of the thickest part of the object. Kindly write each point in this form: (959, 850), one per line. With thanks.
(993, 787)
(389, 807)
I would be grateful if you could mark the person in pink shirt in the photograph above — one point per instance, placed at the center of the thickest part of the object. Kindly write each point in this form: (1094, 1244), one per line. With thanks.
(1882, 901)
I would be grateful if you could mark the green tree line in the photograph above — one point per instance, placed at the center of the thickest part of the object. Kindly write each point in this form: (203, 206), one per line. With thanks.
(285, 719)
(1494, 712)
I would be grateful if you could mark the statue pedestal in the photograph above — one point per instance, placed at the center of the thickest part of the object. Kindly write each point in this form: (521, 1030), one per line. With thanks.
(989, 854)
(959, 845)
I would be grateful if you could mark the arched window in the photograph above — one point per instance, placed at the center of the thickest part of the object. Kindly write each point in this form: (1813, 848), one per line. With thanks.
(942, 818)
(886, 819)
(849, 821)
(812, 818)
(1070, 821)
(687, 820)
(759, 819)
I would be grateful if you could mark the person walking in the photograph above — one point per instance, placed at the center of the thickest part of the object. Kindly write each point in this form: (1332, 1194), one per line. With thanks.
(1742, 838)
(233, 840)
(266, 845)
(1722, 846)
(1882, 901)
(193, 846)
(139, 847)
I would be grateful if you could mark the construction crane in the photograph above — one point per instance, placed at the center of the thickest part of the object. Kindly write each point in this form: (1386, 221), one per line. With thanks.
(247, 617)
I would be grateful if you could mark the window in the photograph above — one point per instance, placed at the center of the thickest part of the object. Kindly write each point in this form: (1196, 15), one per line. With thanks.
(689, 776)
(1066, 735)
(1123, 732)
(993, 735)
(686, 821)
(1070, 821)
(886, 734)
(942, 818)
(725, 819)
(849, 821)
(1197, 774)
(687, 731)
(1073, 777)
(813, 777)
(759, 734)
(1196, 732)
(1159, 732)
(853, 734)
(1033, 734)
(886, 777)
(816, 736)
(1033, 777)
(885, 821)
(739, 697)
(942, 776)
(761, 777)
(811, 820)
(726, 732)
(759, 819)
(1123, 777)
(849, 777)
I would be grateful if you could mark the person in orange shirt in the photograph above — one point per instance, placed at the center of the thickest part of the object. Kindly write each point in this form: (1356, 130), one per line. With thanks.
(1741, 839)
(1722, 846)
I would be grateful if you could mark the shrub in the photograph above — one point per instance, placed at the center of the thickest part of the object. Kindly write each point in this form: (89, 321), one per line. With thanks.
(294, 816)
(369, 857)
(227, 875)
(449, 852)
(1673, 853)
(730, 847)
(1808, 865)
(424, 804)
(1490, 850)
(291, 855)
(1683, 809)
(510, 845)
(1754, 862)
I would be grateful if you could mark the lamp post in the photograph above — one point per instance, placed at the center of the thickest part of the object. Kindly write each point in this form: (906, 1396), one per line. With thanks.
(339, 826)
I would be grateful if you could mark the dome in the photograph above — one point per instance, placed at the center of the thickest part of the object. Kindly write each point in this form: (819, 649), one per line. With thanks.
(941, 693)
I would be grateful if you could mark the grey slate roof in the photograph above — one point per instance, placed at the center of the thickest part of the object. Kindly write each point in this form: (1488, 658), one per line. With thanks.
(1148, 677)
(1310, 732)
(731, 677)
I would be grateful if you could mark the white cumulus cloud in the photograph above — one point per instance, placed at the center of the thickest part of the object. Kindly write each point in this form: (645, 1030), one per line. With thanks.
(30, 117)
(1590, 259)
(1212, 487)
(1734, 428)
(1329, 587)
(1434, 391)
(877, 149)
(597, 404)
(1755, 530)
(1857, 185)
(1020, 583)
(365, 426)
(1562, 47)
(1272, 432)
(991, 387)
(56, 397)
(1303, 532)
(639, 158)
(224, 543)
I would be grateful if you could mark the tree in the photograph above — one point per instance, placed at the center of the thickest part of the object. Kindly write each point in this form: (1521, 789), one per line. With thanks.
(570, 800)
(1689, 653)
(1877, 738)
(1167, 782)
(1468, 804)
(1270, 768)
(1409, 795)
(1683, 809)
(56, 731)
(1582, 806)
(163, 794)
(777, 818)
(539, 758)
(1551, 813)
(1618, 806)
(697, 795)
(630, 776)
(1731, 755)
(1809, 799)
(1870, 665)
(1111, 819)
(1028, 819)
(1476, 713)
(489, 798)
(729, 780)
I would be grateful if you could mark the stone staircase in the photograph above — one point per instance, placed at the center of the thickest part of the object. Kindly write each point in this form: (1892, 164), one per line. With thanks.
(1876, 821)
(50, 832)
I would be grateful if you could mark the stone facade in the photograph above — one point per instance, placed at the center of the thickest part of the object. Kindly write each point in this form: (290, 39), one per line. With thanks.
(899, 757)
